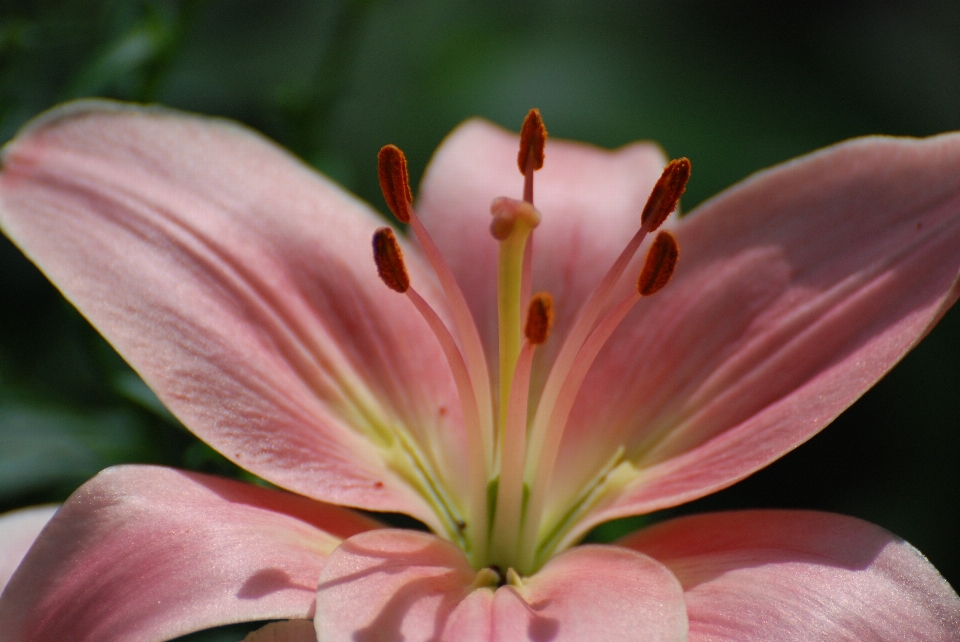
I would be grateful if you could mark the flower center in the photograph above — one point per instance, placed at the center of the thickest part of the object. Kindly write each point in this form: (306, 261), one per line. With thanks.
(511, 458)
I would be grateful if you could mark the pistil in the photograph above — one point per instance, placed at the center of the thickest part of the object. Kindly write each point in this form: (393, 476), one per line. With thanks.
(513, 224)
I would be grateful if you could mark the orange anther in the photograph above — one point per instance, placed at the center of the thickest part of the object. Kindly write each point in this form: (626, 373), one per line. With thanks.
(539, 318)
(666, 193)
(533, 136)
(395, 181)
(660, 263)
(389, 259)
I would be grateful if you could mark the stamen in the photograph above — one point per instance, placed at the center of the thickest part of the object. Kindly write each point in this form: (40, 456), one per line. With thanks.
(658, 268)
(477, 472)
(547, 454)
(666, 193)
(390, 266)
(673, 180)
(539, 318)
(660, 264)
(389, 260)
(395, 181)
(509, 502)
(533, 138)
(526, 274)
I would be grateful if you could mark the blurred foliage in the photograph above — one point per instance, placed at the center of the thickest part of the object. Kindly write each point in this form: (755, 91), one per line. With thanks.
(734, 85)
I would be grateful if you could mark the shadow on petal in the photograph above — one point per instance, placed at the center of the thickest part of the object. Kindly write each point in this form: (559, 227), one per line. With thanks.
(267, 581)
(393, 586)
(541, 628)
(387, 626)
(392, 562)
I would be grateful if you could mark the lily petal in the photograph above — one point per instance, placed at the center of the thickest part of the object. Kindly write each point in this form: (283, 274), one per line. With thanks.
(391, 585)
(145, 554)
(590, 198)
(594, 592)
(18, 530)
(796, 291)
(241, 286)
(801, 576)
(404, 585)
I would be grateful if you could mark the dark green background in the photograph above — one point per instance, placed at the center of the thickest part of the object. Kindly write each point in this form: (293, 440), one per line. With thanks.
(735, 86)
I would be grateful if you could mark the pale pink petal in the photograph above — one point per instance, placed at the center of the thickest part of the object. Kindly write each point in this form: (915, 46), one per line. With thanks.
(590, 200)
(144, 554)
(801, 576)
(392, 585)
(18, 529)
(795, 292)
(410, 586)
(241, 285)
(286, 631)
(594, 593)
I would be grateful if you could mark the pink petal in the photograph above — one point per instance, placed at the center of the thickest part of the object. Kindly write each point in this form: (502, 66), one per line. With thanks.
(801, 576)
(394, 584)
(144, 554)
(595, 593)
(241, 286)
(18, 529)
(405, 585)
(590, 200)
(285, 631)
(795, 292)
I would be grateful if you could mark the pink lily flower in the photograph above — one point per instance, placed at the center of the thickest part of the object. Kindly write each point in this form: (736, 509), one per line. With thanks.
(240, 285)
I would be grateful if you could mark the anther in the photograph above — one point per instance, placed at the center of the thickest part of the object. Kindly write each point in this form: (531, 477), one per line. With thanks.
(539, 318)
(659, 265)
(533, 137)
(395, 181)
(507, 212)
(666, 193)
(389, 259)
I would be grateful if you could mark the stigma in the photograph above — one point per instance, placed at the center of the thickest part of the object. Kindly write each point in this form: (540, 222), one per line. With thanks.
(512, 445)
